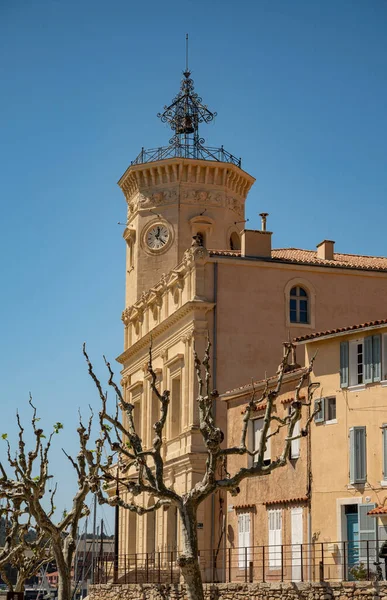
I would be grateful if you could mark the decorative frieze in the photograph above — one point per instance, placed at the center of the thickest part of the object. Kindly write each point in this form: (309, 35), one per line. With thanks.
(154, 199)
(168, 173)
(174, 281)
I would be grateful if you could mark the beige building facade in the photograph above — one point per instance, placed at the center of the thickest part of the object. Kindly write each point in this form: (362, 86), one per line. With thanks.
(271, 512)
(331, 497)
(229, 284)
(349, 442)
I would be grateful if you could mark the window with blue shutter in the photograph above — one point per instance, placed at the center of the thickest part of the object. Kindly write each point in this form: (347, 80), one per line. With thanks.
(367, 534)
(368, 363)
(384, 438)
(364, 361)
(319, 417)
(372, 359)
(377, 357)
(357, 455)
(344, 356)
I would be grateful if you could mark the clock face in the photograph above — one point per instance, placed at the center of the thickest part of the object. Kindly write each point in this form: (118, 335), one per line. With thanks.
(157, 237)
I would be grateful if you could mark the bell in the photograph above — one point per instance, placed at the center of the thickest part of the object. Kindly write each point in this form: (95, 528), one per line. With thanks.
(185, 125)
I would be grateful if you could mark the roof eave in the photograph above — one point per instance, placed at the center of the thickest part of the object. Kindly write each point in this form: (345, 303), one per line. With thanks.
(329, 336)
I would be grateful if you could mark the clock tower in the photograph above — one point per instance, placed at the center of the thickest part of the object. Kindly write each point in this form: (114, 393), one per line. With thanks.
(179, 191)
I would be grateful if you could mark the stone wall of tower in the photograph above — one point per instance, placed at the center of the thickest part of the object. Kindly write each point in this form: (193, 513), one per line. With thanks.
(189, 197)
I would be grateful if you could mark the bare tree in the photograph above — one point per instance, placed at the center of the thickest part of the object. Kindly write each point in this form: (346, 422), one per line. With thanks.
(30, 482)
(148, 463)
(26, 549)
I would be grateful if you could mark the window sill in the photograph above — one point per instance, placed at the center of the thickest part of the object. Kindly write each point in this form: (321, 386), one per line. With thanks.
(302, 325)
(354, 486)
(383, 483)
(331, 422)
(357, 388)
(383, 383)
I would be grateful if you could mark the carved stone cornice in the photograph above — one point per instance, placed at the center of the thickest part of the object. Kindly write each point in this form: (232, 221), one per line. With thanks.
(180, 313)
(196, 181)
(171, 281)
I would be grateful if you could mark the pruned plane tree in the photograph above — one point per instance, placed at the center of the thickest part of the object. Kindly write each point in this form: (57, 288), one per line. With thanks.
(137, 470)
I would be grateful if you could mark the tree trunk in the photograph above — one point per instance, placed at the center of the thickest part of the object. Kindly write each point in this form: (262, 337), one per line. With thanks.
(64, 584)
(20, 582)
(189, 560)
(64, 572)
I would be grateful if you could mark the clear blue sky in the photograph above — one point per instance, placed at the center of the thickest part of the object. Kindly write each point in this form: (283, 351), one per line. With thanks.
(300, 89)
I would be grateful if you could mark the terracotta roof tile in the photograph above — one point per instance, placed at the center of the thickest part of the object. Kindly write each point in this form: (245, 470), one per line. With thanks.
(288, 400)
(352, 261)
(309, 257)
(256, 408)
(244, 506)
(301, 499)
(379, 510)
(259, 381)
(312, 336)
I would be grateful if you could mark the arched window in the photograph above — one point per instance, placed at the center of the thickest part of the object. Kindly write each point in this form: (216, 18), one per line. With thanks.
(298, 305)
(235, 241)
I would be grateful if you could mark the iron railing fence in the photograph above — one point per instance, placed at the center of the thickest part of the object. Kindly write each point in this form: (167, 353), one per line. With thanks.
(186, 151)
(325, 561)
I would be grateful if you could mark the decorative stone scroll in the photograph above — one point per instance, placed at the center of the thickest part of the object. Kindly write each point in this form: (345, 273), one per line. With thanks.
(193, 258)
(195, 196)
(160, 197)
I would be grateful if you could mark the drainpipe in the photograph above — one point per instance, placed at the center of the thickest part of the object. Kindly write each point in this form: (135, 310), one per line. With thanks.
(214, 383)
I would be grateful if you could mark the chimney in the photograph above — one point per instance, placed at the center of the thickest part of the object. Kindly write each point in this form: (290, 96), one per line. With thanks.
(325, 250)
(255, 243)
(263, 220)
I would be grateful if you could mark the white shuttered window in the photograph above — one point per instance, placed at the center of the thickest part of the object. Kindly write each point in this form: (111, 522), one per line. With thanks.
(275, 538)
(257, 432)
(244, 543)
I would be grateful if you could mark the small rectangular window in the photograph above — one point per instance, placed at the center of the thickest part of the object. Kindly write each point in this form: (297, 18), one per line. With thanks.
(319, 406)
(359, 363)
(365, 364)
(327, 412)
(356, 367)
